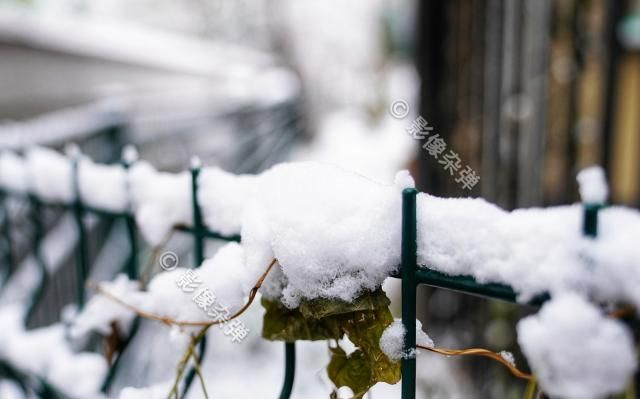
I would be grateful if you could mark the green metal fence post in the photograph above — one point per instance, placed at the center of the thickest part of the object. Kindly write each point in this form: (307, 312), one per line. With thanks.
(198, 257)
(409, 283)
(590, 219)
(82, 266)
(38, 234)
(130, 223)
(198, 225)
(7, 250)
(289, 369)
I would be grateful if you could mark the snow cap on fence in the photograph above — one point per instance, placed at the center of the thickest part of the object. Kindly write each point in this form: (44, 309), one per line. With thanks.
(13, 173)
(593, 185)
(50, 174)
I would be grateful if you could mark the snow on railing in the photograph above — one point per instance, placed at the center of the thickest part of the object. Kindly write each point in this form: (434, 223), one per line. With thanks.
(335, 235)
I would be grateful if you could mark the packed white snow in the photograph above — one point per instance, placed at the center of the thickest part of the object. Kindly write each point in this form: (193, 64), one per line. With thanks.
(13, 173)
(103, 186)
(575, 351)
(50, 175)
(222, 197)
(156, 391)
(534, 250)
(181, 294)
(392, 340)
(593, 185)
(333, 233)
(46, 353)
(508, 357)
(161, 200)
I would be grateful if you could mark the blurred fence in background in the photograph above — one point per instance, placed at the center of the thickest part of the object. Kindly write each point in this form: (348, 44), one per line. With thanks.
(529, 92)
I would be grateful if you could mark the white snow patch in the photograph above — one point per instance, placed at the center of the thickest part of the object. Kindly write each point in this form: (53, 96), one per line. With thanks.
(222, 197)
(103, 186)
(224, 275)
(13, 172)
(156, 391)
(161, 200)
(593, 185)
(50, 175)
(392, 340)
(334, 233)
(534, 250)
(508, 357)
(46, 353)
(575, 351)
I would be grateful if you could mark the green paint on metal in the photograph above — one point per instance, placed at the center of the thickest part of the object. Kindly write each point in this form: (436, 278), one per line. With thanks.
(198, 225)
(590, 219)
(82, 260)
(38, 234)
(468, 285)
(289, 369)
(198, 258)
(130, 223)
(7, 255)
(408, 272)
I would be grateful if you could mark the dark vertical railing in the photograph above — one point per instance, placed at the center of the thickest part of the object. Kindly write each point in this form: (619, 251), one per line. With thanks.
(38, 234)
(131, 268)
(130, 224)
(199, 233)
(289, 369)
(590, 219)
(5, 230)
(408, 274)
(82, 265)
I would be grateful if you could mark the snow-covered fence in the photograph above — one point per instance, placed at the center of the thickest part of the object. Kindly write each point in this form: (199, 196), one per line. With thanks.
(69, 196)
(208, 204)
(412, 276)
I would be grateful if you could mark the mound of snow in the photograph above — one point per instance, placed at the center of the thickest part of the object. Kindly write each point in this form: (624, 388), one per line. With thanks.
(13, 172)
(334, 233)
(161, 200)
(103, 186)
(222, 197)
(50, 175)
(392, 340)
(575, 351)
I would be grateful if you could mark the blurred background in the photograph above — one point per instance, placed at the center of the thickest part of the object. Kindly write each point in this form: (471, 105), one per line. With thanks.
(526, 92)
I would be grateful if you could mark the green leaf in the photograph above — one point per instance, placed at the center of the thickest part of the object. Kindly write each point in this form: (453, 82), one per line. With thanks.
(282, 324)
(363, 321)
(352, 370)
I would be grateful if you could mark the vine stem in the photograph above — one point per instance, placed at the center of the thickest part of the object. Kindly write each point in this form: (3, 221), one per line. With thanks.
(483, 353)
(196, 366)
(182, 323)
(530, 391)
(182, 364)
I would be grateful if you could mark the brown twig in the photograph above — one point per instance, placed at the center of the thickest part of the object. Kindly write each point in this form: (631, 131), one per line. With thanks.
(480, 352)
(182, 364)
(198, 368)
(170, 322)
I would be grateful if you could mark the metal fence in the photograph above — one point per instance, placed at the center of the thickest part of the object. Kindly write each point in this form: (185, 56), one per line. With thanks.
(409, 272)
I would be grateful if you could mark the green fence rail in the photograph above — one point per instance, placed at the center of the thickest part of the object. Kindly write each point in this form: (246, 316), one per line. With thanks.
(409, 272)
(412, 276)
